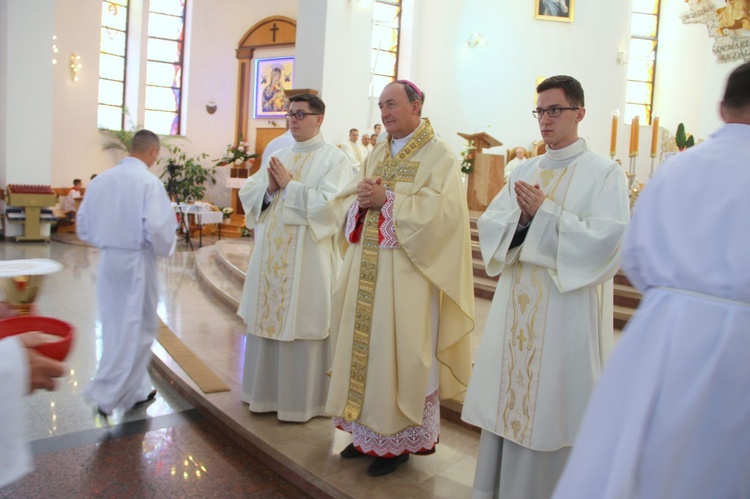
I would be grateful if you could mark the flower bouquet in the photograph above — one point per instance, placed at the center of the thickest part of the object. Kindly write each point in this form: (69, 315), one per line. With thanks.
(227, 211)
(236, 156)
(467, 164)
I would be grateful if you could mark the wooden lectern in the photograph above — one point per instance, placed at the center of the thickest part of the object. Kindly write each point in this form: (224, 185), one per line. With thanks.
(488, 176)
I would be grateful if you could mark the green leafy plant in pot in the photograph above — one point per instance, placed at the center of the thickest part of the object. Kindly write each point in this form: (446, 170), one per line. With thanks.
(184, 176)
(682, 140)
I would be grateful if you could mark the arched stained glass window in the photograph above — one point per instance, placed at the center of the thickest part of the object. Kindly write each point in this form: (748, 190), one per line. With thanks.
(158, 92)
(166, 37)
(112, 59)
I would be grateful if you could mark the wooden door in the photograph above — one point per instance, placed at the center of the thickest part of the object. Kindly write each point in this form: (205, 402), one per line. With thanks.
(262, 137)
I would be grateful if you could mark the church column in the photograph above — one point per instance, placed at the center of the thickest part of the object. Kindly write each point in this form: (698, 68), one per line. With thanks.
(333, 56)
(26, 90)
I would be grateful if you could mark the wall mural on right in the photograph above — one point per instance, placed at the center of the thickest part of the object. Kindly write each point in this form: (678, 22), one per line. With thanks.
(728, 25)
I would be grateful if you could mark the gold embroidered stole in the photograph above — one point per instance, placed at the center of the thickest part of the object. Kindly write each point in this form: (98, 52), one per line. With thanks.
(391, 170)
(279, 247)
(525, 326)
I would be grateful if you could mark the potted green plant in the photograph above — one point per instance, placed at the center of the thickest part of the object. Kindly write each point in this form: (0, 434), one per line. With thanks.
(683, 140)
(185, 176)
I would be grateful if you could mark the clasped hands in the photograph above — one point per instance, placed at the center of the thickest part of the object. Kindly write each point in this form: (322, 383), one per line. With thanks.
(371, 194)
(529, 198)
(278, 176)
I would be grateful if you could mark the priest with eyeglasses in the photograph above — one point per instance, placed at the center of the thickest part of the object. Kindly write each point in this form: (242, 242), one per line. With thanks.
(553, 234)
(286, 298)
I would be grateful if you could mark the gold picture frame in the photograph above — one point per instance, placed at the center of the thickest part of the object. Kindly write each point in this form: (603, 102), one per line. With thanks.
(554, 10)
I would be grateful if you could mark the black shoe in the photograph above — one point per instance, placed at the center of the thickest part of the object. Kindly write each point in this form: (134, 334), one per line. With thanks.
(151, 396)
(351, 452)
(384, 465)
(103, 414)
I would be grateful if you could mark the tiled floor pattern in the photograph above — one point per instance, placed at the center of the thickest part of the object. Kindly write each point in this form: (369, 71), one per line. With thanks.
(168, 436)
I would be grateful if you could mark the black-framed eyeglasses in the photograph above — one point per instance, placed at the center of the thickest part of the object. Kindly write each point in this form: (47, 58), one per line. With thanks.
(552, 112)
(300, 115)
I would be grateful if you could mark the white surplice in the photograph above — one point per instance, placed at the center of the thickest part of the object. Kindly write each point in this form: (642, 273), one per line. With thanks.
(126, 213)
(670, 416)
(15, 456)
(550, 324)
(286, 298)
(355, 153)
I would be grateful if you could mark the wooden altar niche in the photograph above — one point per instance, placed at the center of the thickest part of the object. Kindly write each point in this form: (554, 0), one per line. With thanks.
(274, 31)
(488, 176)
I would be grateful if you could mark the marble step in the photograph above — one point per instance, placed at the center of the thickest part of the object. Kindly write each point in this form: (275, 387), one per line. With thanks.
(214, 278)
(233, 257)
(627, 296)
(621, 316)
(480, 270)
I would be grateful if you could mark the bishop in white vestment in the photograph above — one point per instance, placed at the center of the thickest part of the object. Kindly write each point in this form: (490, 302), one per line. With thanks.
(550, 325)
(286, 299)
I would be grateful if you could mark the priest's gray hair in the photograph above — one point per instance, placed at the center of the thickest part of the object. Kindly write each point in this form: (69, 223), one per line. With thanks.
(143, 140)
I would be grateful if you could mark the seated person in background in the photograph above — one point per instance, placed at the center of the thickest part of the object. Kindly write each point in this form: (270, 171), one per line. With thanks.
(68, 203)
(519, 158)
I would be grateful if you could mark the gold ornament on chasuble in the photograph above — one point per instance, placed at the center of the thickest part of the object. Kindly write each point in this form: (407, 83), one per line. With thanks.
(526, 324)
(277, 263)
(391, 170)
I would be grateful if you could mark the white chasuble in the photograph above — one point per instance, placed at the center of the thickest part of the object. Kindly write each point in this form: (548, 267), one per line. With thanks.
(290, 277)
(526, 321)
(550, 324)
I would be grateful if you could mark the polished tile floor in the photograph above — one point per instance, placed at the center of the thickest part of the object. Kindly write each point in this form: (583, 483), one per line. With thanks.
(164, 449)
(172, 447)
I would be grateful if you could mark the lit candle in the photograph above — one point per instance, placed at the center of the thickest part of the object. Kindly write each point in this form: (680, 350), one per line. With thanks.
(613, 137)
(637, 134)
(654, 135)
(634, 136)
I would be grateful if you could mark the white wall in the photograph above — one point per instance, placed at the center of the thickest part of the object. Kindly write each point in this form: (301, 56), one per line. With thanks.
(468, 89)
(211, 73)
(333, 52)
(690, 83)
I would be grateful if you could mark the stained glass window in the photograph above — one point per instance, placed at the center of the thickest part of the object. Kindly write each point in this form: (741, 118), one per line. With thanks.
(644, 29)
(112, 57)
(166, 37)
(385, 38)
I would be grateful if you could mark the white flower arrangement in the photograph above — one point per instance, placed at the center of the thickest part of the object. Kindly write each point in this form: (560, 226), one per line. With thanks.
(236, 155)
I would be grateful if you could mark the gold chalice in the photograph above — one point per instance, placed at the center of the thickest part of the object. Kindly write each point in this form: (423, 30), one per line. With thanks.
(22, 280)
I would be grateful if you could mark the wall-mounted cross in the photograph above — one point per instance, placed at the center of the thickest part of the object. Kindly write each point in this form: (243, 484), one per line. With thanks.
(274, 29)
